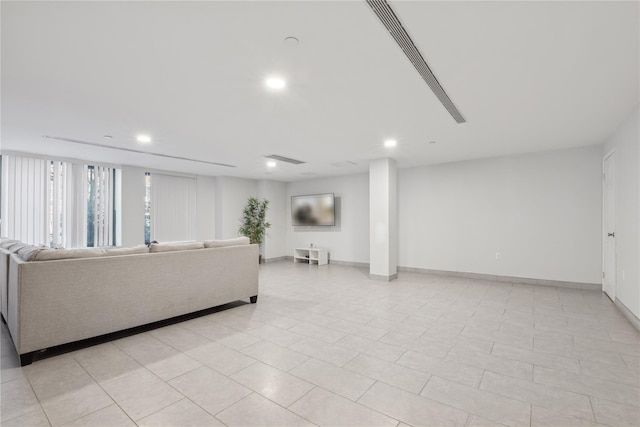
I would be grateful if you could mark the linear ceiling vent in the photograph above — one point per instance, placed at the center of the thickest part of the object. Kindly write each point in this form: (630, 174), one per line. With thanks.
(397, 31)
(344, 164)
(285, 159)
(131, 150)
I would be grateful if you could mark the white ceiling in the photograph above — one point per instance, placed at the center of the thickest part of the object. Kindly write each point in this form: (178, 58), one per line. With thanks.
(527, 76)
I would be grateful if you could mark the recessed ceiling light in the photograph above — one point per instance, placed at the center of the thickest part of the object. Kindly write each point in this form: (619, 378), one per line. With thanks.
(107, 137)
(291, 41)
(145, 139)
(274, 82)
(389, 143)
(271, 163)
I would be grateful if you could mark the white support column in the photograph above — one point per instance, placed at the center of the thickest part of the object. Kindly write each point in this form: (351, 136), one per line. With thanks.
(275, 243)
(383, 220)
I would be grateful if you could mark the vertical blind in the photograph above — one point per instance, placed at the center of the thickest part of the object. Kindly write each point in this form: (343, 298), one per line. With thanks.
(103, 206)
(75, 223)
(68, 206)
(47, 202)
(24, 204)
(173, 208)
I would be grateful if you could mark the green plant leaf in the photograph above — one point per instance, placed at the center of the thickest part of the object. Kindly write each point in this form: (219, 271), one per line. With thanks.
(253, 224)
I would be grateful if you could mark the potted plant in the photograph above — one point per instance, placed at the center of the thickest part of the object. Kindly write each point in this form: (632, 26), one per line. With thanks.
(253, 222)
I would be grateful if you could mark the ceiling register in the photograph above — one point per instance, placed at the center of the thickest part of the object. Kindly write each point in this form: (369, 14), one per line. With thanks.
(390, 20)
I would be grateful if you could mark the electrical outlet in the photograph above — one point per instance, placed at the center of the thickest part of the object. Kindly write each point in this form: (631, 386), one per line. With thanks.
(498, 255)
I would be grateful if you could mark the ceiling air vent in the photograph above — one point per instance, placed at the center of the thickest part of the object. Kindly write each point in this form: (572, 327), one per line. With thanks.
(131, 150)
(285, 159)
(344, 164)
(397, 31)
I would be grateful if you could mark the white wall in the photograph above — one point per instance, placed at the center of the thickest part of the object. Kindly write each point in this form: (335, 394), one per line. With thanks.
(626, 142)
(541, 211)
(275, 243)
(231, 196)
(348, 240)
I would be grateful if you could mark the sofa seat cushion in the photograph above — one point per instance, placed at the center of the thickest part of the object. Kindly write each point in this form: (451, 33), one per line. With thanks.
(56, 254)
(226, 242)
(169, 247)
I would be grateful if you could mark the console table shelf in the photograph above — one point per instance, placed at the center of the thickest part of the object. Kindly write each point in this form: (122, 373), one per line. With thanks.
(317, 256)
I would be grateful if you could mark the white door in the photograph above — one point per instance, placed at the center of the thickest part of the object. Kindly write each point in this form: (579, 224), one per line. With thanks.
(609, 226)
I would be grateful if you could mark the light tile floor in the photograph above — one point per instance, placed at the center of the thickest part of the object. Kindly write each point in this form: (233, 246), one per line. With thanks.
(327, 346)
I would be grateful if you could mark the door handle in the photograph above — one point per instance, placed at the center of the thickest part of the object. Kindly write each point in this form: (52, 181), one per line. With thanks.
(611, 234)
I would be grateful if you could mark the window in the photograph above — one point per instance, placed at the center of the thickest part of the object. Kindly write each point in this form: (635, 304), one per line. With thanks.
(170, 208)
(59, 203)
(101, 202)
(147, 208)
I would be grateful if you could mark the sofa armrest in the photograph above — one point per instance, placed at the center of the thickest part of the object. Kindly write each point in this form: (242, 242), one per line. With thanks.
(13, 300)
(4, 282)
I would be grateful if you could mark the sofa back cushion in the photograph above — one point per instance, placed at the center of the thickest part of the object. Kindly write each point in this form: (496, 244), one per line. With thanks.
(14, 246)
(28, 252)
(227, 242)
(134, 250)
(55, 254)
(7, 243)
(168, 247)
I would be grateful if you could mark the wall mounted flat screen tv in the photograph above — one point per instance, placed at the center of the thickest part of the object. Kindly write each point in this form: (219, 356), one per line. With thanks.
(314, 209)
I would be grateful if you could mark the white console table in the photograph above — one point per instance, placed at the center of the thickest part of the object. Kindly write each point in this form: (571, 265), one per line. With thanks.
(317, 256)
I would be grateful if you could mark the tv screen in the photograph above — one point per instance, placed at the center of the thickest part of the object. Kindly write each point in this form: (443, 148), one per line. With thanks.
(315, 209)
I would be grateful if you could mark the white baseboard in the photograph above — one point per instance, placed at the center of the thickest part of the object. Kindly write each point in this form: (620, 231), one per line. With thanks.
(628, 314)
(276, 258)
(350, 264)
(479, 276)
(383, 278)
(336, 262)
(509, 279)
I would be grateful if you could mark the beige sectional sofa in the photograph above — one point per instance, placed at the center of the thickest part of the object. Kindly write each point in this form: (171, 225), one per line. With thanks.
(60, 301)
(4, 275)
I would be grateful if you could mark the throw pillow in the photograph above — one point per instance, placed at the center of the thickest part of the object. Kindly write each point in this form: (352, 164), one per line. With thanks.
(226, 242)
(169, 247)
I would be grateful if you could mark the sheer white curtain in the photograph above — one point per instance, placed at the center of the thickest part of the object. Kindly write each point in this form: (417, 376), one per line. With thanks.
(24, 199)
(173, 208)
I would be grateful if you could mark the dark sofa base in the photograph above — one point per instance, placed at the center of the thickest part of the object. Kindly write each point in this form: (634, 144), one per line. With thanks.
(29, 358)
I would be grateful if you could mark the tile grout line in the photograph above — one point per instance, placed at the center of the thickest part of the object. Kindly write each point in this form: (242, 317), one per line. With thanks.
(375, 381)
(26, 377)
(593, 411)
(446, 404)
(425, 385)
(168, 384)
(552, 387)
(303, 395)
(102, 388)
(357, 401)
(275, 403)
(480, 380)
